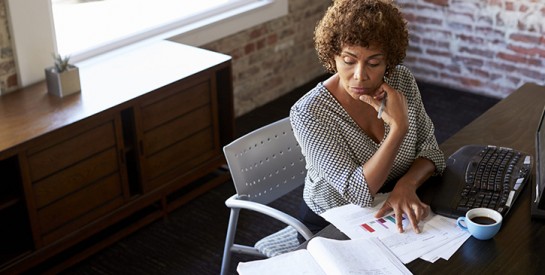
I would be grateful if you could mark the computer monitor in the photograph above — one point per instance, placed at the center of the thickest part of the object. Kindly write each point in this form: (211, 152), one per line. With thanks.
(538, 202)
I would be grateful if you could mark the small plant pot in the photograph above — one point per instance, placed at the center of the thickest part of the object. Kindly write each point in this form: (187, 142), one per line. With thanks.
(63, 83)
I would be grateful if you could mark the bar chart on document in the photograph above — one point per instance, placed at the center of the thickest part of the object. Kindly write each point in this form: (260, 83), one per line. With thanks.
(402, 245)
(382, 227)
(437, 232)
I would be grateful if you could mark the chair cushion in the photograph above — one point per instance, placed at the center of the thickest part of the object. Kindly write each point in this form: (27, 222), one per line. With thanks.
(278, 243)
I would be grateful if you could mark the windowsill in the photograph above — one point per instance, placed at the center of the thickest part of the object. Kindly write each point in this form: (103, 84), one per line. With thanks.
(227, 24)
(32, 34)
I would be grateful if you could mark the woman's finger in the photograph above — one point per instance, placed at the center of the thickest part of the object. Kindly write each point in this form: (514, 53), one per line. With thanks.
(413, 219)
(399, 220)
(371, 101)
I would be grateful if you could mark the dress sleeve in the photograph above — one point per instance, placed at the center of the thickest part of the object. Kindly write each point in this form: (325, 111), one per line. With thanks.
(427, 146)
(328, 158)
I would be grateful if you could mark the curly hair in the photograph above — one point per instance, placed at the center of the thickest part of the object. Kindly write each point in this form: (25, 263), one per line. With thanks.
(361, 23)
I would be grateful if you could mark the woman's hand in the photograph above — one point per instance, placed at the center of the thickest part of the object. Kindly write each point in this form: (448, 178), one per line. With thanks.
(403, 200)
(395, 111)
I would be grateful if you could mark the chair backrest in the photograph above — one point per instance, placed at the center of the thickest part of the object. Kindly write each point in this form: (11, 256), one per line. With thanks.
(266, 163)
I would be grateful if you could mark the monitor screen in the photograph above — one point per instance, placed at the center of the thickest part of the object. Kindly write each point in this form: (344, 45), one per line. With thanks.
(538, 203)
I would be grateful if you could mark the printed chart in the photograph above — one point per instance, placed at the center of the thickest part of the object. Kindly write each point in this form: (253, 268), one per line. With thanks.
(439, 237)
(381, 226)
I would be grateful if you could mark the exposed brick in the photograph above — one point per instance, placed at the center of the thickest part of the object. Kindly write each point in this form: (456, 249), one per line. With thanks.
(479, 51)
(438, 2)
(479, 72)
(424, 72)
(453, 68)
(258, 32)
(531, 51)
(249, 48)
(438, 52)
(532, 73)
(409, 16)
(286, 33)
(236, 54)
(248, 72)
(485, 20)
(489, 33)
(495, 76)
(7, 66)
(467, 81)
(460, 26)
(501, 66)
(261, 43)
(406, 5)
(514, 80)
(498, 3)
(272, 39)
(470, 38)
(535, 62)
(414, 39)
(523, 26)
(428, 20)
(429, 42)
(512, 57)
(461, 17)
(12, 81)
(469, 61)
(526, 38)
(432, 62)
(414, 49)
(509, 5)
(410, 59)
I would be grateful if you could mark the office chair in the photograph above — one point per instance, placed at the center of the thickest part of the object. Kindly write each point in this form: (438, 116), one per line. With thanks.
(265, 165)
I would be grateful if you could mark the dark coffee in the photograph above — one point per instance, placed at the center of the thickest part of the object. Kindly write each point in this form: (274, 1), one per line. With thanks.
(483, 220)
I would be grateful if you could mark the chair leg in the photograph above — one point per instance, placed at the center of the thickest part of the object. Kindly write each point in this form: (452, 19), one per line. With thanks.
(229, 240)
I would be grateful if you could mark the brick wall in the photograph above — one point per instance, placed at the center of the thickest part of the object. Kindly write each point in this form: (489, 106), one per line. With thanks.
(273, 58)
(484, 46)
(8, 73)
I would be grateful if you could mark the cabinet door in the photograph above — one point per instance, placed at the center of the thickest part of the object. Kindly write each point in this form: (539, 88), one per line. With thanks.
(179, 130)
(77, 176)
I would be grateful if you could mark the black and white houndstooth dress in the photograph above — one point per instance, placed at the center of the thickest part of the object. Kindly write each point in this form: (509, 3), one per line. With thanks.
(336, 148)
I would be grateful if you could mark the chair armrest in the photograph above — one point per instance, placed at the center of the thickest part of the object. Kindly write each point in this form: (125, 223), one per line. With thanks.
(236, 202)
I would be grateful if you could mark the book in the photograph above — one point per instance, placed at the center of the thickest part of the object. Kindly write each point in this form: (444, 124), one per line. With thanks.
(327, 256)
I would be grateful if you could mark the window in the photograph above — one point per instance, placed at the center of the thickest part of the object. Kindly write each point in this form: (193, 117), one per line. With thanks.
(82, 26)
(85, 28)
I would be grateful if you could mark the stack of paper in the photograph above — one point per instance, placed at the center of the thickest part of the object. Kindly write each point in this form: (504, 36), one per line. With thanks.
(439, 237)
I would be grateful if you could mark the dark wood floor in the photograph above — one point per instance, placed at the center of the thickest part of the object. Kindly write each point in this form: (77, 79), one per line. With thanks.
(190, 240)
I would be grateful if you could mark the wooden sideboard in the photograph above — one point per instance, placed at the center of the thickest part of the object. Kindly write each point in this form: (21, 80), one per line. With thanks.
(144, 136)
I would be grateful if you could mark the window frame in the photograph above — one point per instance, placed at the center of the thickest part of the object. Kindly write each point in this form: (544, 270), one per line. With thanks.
(33, 41)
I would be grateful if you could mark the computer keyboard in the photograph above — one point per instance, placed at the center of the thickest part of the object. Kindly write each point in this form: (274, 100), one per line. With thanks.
(493, 179)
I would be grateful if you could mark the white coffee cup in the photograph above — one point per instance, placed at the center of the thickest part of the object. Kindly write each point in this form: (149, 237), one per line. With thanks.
(481, 223)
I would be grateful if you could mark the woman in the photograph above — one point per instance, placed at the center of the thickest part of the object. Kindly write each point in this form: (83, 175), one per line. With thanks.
(352, 151)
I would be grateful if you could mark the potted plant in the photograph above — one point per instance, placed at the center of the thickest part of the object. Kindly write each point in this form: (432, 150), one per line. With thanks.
(63, 78)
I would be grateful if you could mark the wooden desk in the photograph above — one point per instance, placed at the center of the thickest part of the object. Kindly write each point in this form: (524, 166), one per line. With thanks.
(519, 247)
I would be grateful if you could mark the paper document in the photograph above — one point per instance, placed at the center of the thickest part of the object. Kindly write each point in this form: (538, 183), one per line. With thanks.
(327, 256)
(437, 232)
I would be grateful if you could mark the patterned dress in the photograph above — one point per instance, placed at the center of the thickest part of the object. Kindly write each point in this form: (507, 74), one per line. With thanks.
(335, 147)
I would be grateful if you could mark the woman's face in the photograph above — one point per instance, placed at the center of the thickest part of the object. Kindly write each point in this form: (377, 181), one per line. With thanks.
(361, 70)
